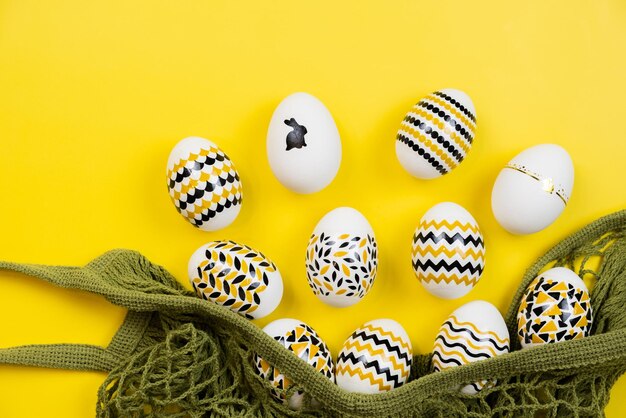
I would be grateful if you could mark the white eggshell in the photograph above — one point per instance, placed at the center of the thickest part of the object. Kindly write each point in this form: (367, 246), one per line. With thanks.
(554, 308)
(436, 134)
(342, 257)
(475, 331)
(533, 189)
(375, 358)
(448, 253)
(203, 184)
(303, 145)
(304, 342)
(237, 277)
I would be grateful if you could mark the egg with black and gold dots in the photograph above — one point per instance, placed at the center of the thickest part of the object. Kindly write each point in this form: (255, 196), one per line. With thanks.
(436, 134)
(555, 307)
(203, 184)
(237, 277)
(306, 344)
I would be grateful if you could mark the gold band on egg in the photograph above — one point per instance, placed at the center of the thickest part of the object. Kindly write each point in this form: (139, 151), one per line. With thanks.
(547, 184)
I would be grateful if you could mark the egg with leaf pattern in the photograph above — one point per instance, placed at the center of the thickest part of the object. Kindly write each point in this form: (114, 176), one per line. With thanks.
(342, 257)
(237, 277)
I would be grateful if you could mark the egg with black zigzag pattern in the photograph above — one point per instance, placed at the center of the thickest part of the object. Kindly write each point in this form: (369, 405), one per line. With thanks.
(448, 252)
(375, 358)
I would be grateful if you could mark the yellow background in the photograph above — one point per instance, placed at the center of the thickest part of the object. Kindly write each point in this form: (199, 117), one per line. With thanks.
(94, 94)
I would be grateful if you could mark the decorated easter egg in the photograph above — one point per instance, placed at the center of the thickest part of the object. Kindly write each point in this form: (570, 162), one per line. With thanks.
(448, 251)
(436, 134)
(303, 145)
(532, 190)
(554, 308)
(237, 277)
(375, 358)
(203, 184)
(342, 257)
(474, 332)
(303, 341)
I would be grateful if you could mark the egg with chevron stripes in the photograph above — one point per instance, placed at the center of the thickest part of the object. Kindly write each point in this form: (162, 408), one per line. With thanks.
(203, 184)
(375, 358)
(555, 307)
(475, 331)
(237, 277)
(306, 344)
(436, 134)
(448, 252)
(342, 258)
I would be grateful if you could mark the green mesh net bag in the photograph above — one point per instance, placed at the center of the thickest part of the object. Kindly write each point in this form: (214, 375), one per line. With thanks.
(176, 355)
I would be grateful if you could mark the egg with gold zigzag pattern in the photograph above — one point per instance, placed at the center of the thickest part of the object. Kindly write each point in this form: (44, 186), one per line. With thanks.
(375, 358)
(203, 184)
(448, 252)
(475, 331)
(237, 277)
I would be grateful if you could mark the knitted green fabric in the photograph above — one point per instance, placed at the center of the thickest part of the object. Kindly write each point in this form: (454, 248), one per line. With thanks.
(179, 356)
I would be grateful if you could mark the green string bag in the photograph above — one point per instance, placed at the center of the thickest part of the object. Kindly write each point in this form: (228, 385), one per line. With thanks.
(176, 355)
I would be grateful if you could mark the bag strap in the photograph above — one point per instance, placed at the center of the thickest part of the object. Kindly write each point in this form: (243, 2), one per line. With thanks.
(78, 356)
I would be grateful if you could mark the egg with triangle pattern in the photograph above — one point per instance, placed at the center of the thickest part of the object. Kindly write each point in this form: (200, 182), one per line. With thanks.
(306, 344)
(555, 307)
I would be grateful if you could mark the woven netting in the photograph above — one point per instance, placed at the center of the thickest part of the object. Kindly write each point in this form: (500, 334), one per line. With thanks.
(180, 356)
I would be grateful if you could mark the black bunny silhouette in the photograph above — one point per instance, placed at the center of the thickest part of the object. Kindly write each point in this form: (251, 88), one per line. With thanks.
(295, 138)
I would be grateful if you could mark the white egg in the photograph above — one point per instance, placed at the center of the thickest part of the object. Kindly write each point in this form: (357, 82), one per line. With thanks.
(342, 257)
(375, 358)
(436, 134)
(303, 145)
(532, 190)
(306, 344)
(475, 331)
(554, 308)
(237, 277)
(448, 254)
(203, 184)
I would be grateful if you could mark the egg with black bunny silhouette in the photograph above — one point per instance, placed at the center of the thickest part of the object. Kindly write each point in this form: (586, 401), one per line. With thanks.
(303, 144)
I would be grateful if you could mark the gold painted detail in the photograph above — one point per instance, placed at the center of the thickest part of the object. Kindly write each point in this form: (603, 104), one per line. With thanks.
(547, 183)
